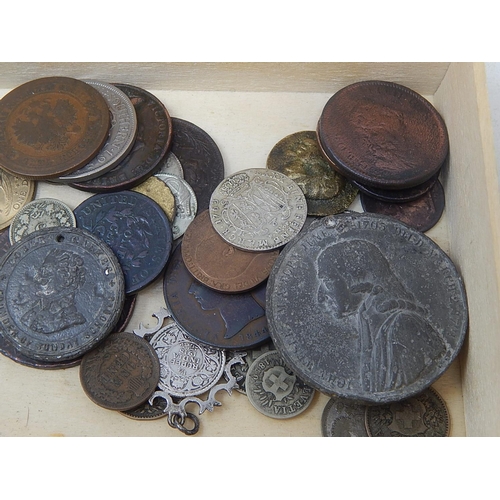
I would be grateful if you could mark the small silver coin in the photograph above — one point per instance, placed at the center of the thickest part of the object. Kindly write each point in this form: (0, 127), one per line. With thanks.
(121, 136)
(343, 418)
(274, 390)
(40, 214)
(258, 209)
(185, 202)
(171, 165)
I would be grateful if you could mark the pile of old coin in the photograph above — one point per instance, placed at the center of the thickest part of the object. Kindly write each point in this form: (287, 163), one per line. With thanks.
(272, 286)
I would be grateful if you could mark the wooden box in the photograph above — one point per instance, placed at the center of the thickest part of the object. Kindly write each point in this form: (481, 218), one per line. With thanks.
(247, 108)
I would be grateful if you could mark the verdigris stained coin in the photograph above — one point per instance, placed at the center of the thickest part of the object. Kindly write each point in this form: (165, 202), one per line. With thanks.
(365, 307)
(343, 418)
(274, 390)
(135, 228)
(121, 373)
(200, 157)
(423, 415)
(61, 293)
(15, 193)
(299, 157)
(258, 209)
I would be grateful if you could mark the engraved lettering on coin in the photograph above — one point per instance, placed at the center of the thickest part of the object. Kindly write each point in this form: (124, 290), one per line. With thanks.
(15, 193)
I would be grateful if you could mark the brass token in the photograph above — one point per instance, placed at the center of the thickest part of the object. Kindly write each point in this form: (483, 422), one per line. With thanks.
(158, 191)
(15, 193)
(51, 126)
(299, 157)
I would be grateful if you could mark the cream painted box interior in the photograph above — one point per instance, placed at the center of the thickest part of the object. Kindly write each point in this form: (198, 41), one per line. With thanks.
(247, 108)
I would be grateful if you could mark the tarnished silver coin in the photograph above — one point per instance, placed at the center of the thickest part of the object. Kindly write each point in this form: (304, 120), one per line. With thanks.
(365, 307)
(185, 202)
(120, 139)
(343, 418)
(147, 411)
(187, 368)
(40, 214)
(171, 165)
(274, 390)
(258, 209)
(61, 292)
(423, 415)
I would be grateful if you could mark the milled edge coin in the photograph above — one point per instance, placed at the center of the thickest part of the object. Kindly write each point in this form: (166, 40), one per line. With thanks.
(258, 209)
(274, 390)
(343, 418)
(121, 373)
(15, 193)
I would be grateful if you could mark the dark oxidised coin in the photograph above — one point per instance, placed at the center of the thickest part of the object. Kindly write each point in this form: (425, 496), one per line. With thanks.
(200, 158)
(136, 229)
(423, 415)
(422, 213)
(365, 307)
(343, 418)
(383, 134)
(218, 264)
(127, 311)
(231, 321)
(121, 373)
(51, 126)
(148, 411)
(61, 293)
(4, 242)
(154, 134)
(299, 157)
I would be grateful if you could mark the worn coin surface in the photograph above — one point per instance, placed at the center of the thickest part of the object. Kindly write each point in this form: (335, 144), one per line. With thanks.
(121, 372)
(422, 213)
(299, 157)
(61, 293)
(188, 368)
(274, 390)
(343, 418)
(232, 321)
(159, 192)
(15, 193)
(120, 139)
(51, 126)
(365, 307)
(423, 415)
(186, 205)
(135, 228)
(200, 158)
(220, 265)
(258, 209)
(148, 411)
(383, 134)
(154, 135)
(170, 164)
(39, 214)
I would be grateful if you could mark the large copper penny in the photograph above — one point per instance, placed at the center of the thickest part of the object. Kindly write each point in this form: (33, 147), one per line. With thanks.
(231, 321)
(121, 373)
(218, 264)
(383, 134)
(51, 126)
(154, 134)
(15, 193)
(422, 213)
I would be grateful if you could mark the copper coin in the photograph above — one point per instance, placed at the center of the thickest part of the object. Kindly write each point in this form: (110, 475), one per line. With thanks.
(51, 126)
(230, 321)
(422, 213)
(121, 373)
(154, 134)
(15, 193)
(218, 264)
(200, 158)
(127, 311)
(383, 134)
(299, 157)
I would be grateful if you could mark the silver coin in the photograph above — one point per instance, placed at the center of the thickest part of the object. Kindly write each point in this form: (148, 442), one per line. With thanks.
(61, 293)
(274, 390)
(170, 164)
(185, 202)
(258, 209)
(121, 137)
(343, 418)
(187, 368)
(40, 214)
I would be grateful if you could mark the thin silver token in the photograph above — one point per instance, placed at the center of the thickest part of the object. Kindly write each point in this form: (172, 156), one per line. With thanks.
(274, 390)
(185, 202)
(258, 209)
(121, 137)
(40, 214)
(343, 418)
(171, 165)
